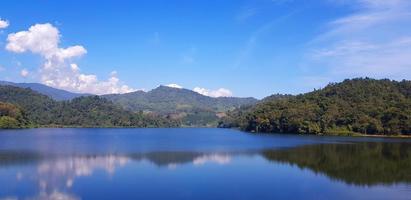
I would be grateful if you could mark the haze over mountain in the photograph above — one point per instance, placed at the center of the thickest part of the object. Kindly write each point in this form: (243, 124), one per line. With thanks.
(56, 94)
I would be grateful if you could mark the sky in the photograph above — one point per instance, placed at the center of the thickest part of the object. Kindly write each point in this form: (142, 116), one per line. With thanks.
(217, 48)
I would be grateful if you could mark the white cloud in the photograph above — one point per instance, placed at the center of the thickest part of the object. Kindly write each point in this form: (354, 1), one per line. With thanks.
(222, 92)
(24, 73)
(173, 85)
(59, 70)
(74, 67)
(374, 41)
(40, 39)
(4, 23)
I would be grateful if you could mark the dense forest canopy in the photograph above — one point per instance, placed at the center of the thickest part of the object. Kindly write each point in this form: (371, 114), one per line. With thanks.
(12, 116)
(361, 105)
(89, 111)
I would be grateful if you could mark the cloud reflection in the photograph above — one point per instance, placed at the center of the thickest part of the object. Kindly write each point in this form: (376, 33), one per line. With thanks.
(55, 176)
(213, 158)
(55, 195)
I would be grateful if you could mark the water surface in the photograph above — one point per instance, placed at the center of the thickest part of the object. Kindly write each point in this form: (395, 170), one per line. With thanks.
(199, 164)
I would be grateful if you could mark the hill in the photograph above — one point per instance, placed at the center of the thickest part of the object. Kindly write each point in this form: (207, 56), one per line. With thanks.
(90, 111)
(191, 107)
(54, 93)
(361, 105)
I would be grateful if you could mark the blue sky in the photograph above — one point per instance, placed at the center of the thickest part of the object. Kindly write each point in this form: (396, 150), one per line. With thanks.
(241, 48)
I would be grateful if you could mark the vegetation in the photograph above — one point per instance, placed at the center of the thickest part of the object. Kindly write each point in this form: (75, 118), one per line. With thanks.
(357, 106)
(11, 116)
(362, 105)
(191, 108)
(90, 111)
(358, 163)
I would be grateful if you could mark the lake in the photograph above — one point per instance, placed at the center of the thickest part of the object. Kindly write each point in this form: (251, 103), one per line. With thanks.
(199, 163)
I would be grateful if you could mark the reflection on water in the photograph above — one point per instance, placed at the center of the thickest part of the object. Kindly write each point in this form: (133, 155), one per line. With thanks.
(176, 158)
(56, 174)
(63, 171)
(359, 163)
(337, 169)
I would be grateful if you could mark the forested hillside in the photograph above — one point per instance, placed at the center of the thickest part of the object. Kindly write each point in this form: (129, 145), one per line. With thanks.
(362, 105)
(190, 107)
(90, 111)
(183, 105)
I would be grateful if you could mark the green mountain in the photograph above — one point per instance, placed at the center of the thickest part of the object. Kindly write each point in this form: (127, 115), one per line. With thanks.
(192, 108)
(361, 105)
(90, 111)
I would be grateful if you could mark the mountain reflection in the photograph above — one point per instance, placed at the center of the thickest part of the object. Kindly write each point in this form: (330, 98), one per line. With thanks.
(371, 163)
(175, 158)
(358, 163)
(55, 174)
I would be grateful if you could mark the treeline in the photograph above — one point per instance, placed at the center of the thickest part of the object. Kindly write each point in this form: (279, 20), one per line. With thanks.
(31, 109)
(361, 105)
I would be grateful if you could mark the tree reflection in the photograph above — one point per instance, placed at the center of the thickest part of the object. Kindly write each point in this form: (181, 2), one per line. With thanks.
(357, 163)
(363, 163)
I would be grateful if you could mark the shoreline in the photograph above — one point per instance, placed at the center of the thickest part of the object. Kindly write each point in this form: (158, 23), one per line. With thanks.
(257, 133)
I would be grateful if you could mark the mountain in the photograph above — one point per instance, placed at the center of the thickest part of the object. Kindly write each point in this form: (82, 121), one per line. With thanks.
(361, 105)
(191, 107)
(89, 111)
(54, 93)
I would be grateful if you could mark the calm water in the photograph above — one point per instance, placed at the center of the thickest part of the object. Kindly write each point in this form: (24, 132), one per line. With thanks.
(199, 164)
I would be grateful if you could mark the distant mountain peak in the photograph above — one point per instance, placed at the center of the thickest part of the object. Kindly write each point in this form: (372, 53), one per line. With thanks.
(56, 94)
(191, 107)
